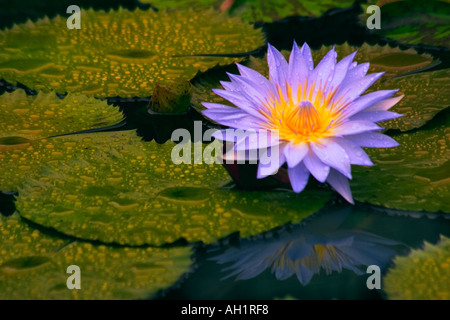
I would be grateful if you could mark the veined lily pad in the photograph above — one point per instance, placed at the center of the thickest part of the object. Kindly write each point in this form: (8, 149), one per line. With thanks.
(26, 158)
(25, 117)
(135, 199)
(121, 53)
(33, 266)
(425, 94)
(413, 21)
(423, 275)
(413, 176)
(258, 10)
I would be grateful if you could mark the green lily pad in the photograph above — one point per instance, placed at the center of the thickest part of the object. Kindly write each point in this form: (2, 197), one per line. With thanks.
(130, 199)
(25, 158)
(257, 10)
(412, 176)
(425, 94)
(33, 266)
(121, 53)
(44, 115)
(423, 275)
(413, 21)
(417, 108)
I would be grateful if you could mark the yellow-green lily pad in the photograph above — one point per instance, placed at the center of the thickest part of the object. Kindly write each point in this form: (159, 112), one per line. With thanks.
(423, 275)
(412, 21)
(141, 197)
(413, 176)
(33, 265)
(25, 158)
(25, 117)
(121, 53)
(425, 93)
(257, 10)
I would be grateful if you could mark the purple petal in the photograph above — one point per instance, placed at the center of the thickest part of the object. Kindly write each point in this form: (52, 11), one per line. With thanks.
(250, 90)
(219, 107)
(375, 116)
(307, 56)
(356, 127)
(298, 70)
(278, 68)
(324, 71)
(238, 120)
(355, 153)
(299, 177)
(317, 168)
(357, 72)
(368, 100)
(341, 70)
(295, 153)
(256, 77)
(257, 140)
(385, 104)
(340, 184)
(353, 89)
(241, 155)
(240, 102)
(373, 140)
(332, 154)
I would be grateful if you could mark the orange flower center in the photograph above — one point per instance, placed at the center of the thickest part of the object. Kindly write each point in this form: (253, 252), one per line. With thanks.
(303, 116)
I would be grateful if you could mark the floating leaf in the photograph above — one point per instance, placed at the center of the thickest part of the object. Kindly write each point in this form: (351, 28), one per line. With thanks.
(128, 198)
(413, 176)
(33, 266)
(25, 158)
(258, 10)
(423, 275)
(121, 53)
(413, 21)
(44, 115)
(425, 94)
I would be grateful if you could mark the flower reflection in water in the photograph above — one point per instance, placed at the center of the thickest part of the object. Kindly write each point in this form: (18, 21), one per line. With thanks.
(306, 250)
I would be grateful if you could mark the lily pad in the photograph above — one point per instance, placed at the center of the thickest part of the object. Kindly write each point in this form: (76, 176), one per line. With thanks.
(413, 21)
(25, 158)
(417, 108)
(258, 10)
(44, 115)
(121, 53)
(425, 94)
(33, 266)
(423, 275)
(413, 176)
(144, 198)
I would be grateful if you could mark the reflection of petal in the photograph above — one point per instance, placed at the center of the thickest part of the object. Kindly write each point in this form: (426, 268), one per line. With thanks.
(305, 253)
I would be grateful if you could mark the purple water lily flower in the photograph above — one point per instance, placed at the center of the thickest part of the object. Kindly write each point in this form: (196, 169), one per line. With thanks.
(318, 115)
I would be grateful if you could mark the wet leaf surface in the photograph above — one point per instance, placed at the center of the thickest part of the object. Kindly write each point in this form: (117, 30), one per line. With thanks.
(113, 49)
(33, 266)
(422, 275)
(412, 176)
(91, 198)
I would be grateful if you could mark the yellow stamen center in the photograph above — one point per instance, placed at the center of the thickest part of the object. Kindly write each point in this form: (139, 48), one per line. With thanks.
(306, 115)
